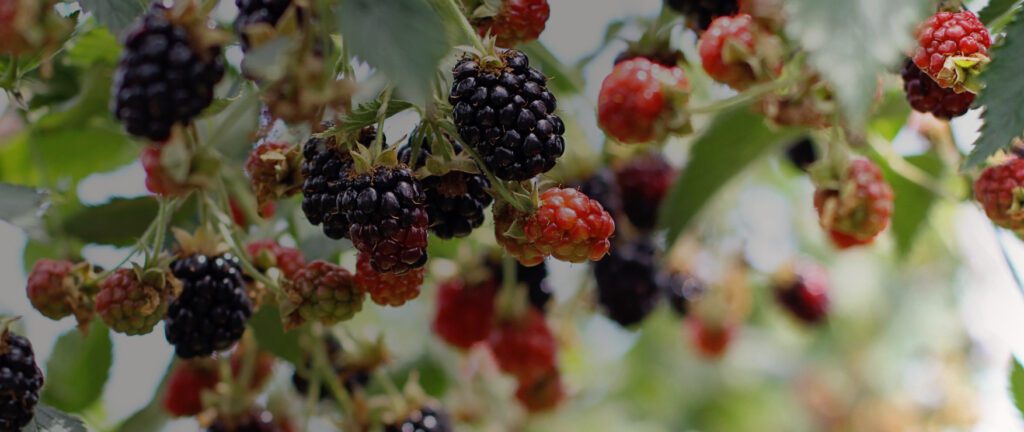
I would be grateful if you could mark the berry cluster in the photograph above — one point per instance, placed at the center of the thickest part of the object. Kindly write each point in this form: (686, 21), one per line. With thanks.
(387, 289)
(20, 379)
(949, 40)
(325, 171)
(322, 292)
(566, 225)
(455, 201)
(857, 206)
(925, 95)
(388, 219)
(132, 302)
(211, 313)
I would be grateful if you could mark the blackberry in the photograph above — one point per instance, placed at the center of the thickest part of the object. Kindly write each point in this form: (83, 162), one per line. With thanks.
(257, 12)
(802, 154)
(925, 95)
(628, 282)
(644, 182)
(506, 113)
(387, 212)
(20, 381)
(211, 312)
(682, 290)
(425, 419)
(163, 78)
(456, 200)
(535, 279)
(352, 378)
(325, 170)
(700, 13)
(602, 187)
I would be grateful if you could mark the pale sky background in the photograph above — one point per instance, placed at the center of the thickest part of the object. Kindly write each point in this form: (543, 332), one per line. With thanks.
(992, 308)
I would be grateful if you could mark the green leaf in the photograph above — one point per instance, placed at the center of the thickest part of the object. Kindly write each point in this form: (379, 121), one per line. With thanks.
(366, 113)
(115, 14)
(734, 139)
(852, 42)
(1017, 385)
(564, 78)
(269, 61)
(404, 39)
(913, 202)
(891, 115)
(18, 203)
(152, 417)
(270, 335)
(49, 419)
(118, 222)
(233, 130)
(95, 46)
(1003, 92)
(996, 9)
(77, 370)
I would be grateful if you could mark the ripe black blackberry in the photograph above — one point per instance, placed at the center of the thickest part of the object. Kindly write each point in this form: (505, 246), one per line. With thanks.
(325, 169)
(701, 12)
(211, 312)
(163, 77)
(644, 182)
(802, 154)
(602, 187)
(386, 210)
(456, 200)
(535, 279)
(425, 419)
(629, 285)
(682, 290)
(925, 95)
(352, 378)
(20, 381)
(257, 12)
(506, 113)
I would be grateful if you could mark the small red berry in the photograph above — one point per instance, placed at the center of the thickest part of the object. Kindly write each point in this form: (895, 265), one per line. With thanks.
(321, 292)
(567, 225)
(858, 208)
(185, 386)
(804, 292)
(641, 101)
(267, 254)
(388, 289)
(542, 394)
(464, 312)
(948, 35)
(48, 288)
(158, 180)
(1000, 191)
(133, 306)
(711, 340)
(524, 348)
(517, 22)
(726, 47)
(644, 182)
(924, 95)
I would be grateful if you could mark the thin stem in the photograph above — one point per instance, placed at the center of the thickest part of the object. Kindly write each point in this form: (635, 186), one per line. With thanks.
(742, 98)
(451, 12)
(382, 114)
(321, 364)
(496, 184)
(908, 170)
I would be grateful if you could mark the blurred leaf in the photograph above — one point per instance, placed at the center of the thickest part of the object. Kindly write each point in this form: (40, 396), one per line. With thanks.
(852, 42)
(95, 46)
(1017, 385)
(234, 128)
(913, 202)
(432, 375)
(49, 419)
(563, 78)
(270, 335)
(18, 203)
(734, 139)
(1003, 92)
(77, 370)
(91, 101)
(366, 113)
(269, 61)
(891, 115)
(996, 9)
(442, 248)
(115, 14)
(152, 417)
(408, 50)
(119, 222)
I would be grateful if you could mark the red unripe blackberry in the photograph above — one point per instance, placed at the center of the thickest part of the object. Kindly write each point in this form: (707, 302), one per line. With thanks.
(804, 293)
(456, 200)
(325, 171)
(131, 305)
(858, 208)
(386, 209)
(710, 339)
(211, 312)
(629, 282)
(158, 180)
(464, 313)
(20, 381)
(425, 419)
(542, 394)
(269, 253)
(185, 386)
(257, 12)
(1000, 191)
(388, 289)
(525, 347)
(48, 286)
(506, 113)
(163, 77)
(321, 292)
(925, 95)
(567, 225)
(700, 13)
(947, 35)
(717, 45)
(517, 22)
(643, 183)
(640, 101)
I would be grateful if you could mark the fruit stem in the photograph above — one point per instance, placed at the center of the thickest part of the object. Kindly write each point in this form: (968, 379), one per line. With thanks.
(382, 114)
(321, 364)
(742, 98)
(496, 184)
(223, 226)
(452, 13)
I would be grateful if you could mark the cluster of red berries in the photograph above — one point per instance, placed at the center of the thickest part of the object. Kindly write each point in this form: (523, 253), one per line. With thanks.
(856, 205)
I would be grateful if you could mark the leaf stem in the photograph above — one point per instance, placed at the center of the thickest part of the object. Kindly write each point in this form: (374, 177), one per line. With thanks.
(451, 12)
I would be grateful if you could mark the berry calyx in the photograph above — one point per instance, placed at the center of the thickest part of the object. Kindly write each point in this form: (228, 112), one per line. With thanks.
(504, 111)
(267, 254)
(952, 49)
(524, 347)
(273, 172)
(643, 183)
(386, 209)
(857, 207)
(132, 300)
(321, 292)
(1000, 191)
(566, 225)
(20, 378)
(925, 95)
(737, 52)
(464, 312)
(804, 292)
(387, 289)
(641, 101)
(211, 312)
(516, 21)
(326, 166)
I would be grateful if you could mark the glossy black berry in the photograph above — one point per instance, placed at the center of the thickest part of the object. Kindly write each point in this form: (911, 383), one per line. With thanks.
(386, 210)
(213, 308)
(163, 78)
(353, 377)
(507, 115)
(455, 201)
(629, 284)
(258, 12)
(925, 95)
(20, 381)
(425, 419)
(326, 168)
(700, 13)
(802, 154)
